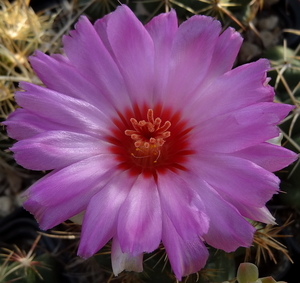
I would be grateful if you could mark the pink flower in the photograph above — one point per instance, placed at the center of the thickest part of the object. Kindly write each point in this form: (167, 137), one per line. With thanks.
(150, 132)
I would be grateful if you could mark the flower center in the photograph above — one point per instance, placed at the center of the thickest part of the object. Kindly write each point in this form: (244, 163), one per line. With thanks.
(148, 136)
(143, 144)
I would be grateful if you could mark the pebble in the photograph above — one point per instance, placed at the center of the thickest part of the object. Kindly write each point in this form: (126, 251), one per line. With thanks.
(19, 199)
(268, 23)
(248, 51)
(6, 206)
(268, 38)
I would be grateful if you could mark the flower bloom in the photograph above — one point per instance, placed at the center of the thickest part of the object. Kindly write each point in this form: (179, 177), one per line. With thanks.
(150, 132)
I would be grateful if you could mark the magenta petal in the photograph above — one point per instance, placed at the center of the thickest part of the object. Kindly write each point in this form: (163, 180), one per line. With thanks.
(101, 28)
(191, 54)
(178, 202)
(124, 261)
(228, 230)
(225, 53)
(134, 52)
(75, 114)
(162, 30)
(83, 47)
(237, 178)
(186, 257)
(100, 219)
(22, 124)
(56, 149)
(261, 214)
(64, 193)
(269, 156)
(139, 220)
(241, 128)
(238, 88)
(57, 73)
